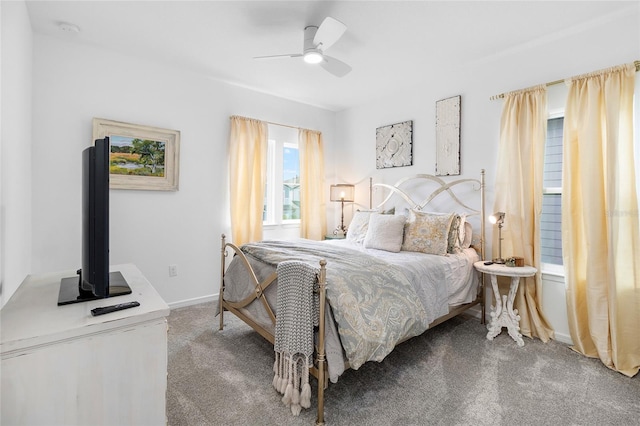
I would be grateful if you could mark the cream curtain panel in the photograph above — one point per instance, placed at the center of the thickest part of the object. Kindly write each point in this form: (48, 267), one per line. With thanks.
(312, 198)
(600, 224)
(247, 178)
(518, 188)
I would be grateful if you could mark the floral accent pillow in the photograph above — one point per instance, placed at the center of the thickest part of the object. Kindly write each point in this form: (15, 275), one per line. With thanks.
(453, 244)
(427, 232)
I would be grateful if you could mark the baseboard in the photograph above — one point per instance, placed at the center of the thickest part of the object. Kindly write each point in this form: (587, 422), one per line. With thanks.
(194, 301)
(474, 312)
(563, 338)
(559, 337)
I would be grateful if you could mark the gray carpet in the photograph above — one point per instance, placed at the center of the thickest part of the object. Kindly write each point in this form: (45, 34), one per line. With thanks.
(451, 375)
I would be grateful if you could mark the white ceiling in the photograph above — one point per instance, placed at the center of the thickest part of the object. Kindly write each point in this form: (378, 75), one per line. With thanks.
(391, 45)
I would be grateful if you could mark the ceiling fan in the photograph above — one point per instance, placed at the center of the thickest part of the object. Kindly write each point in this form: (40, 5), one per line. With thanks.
(316, 41)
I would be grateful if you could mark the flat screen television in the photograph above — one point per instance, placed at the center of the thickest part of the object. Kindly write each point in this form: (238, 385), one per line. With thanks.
(93, 280)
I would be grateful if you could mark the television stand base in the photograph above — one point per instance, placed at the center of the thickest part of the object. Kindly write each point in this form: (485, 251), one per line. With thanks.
(69, 292)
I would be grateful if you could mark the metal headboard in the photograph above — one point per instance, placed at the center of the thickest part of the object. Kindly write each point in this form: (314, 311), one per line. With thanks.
(442, 187)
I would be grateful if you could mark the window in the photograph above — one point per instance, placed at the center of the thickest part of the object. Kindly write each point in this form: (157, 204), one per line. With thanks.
(550, 222)
(282, 193)
(290, 182)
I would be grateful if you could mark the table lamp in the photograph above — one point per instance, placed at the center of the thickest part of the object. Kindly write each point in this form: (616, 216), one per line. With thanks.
(498, 219)
(342, 192)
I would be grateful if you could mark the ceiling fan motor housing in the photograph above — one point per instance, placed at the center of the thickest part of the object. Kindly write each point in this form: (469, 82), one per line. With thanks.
(312, 53)
(317, 39)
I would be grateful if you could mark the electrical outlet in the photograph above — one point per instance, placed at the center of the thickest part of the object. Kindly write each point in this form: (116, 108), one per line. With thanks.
(173, 270)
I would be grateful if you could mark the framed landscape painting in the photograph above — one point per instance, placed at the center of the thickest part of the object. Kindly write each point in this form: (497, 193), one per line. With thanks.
(141, 157)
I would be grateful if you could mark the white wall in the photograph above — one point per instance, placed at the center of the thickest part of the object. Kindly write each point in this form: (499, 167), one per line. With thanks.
(612, 41)
(15, 148)
(74, 83)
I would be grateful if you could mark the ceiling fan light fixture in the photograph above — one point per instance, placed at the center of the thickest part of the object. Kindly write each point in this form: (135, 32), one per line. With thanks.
(316, 41)
(313, 57)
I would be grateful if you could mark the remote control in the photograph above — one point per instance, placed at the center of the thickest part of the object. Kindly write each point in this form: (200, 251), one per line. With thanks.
(488, 263)
(108, 309)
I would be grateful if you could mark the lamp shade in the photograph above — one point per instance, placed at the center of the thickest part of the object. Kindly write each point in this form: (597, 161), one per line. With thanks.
(342, 192)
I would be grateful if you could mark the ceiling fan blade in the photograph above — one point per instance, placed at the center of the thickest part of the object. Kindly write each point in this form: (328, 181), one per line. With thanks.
(329, 32)
(290, 55)
(335, 66)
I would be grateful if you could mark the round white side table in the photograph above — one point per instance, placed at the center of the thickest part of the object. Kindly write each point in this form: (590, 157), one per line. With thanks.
(503, 314)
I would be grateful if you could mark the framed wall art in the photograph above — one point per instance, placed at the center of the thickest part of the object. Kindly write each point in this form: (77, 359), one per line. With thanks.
(394, 145)
(448, 136)
(141, 157)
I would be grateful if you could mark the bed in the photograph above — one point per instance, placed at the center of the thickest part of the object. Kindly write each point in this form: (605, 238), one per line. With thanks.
(398, 272)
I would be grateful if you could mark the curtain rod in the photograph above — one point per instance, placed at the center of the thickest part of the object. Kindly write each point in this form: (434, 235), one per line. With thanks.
(276, 124)
(552, 83)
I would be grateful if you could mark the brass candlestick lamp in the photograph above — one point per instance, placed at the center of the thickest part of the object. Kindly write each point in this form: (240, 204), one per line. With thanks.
(498, 219)
(343, 193)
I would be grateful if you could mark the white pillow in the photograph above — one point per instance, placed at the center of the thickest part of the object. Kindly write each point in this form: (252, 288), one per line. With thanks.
(468, 235)
(385, 232)
(465, 232)
(357, 230)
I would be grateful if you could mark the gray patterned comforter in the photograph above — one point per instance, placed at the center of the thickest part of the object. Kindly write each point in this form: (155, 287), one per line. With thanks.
(374, 302)
(374, 310)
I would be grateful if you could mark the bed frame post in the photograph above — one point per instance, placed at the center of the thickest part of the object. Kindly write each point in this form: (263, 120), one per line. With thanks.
(322, 289)
(223, 255)
(482, 244)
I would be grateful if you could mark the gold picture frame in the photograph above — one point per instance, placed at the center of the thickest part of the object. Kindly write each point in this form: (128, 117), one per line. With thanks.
(141, 157)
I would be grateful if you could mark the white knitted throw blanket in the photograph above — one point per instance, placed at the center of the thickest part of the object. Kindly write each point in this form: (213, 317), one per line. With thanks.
(297, 314)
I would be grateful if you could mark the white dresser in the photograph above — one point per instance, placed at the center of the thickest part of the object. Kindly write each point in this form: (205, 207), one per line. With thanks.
(61, 365)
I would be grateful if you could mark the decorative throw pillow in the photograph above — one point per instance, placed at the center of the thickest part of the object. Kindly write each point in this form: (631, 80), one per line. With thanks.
(465, 232)
(358, 226)
(357, 230)
(453, 242)
(427, 232)
(468, 235)
(392, 210)
(385, 232)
